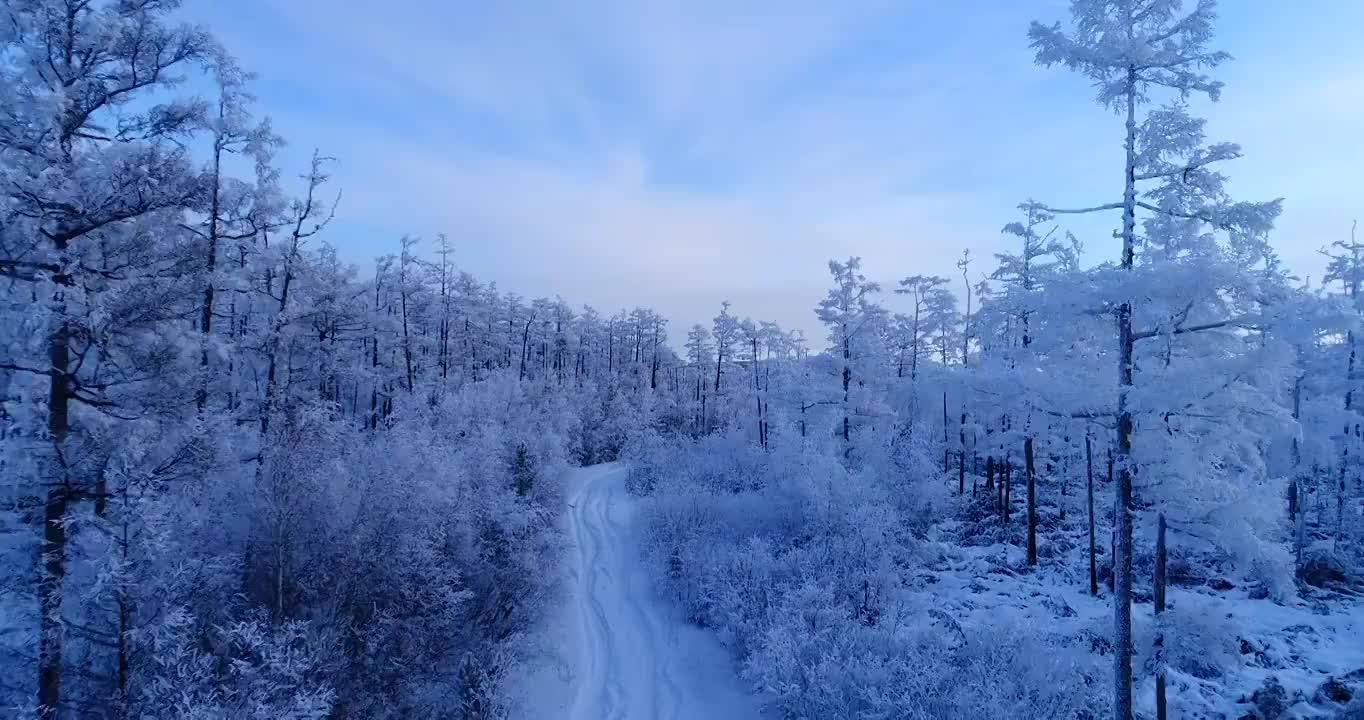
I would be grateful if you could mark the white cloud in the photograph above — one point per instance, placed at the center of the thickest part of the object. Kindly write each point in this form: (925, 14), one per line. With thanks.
(679, 153)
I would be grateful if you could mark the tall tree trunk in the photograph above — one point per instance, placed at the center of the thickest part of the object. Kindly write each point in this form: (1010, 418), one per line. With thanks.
(1299, 540)
(50, 584)
(124, 613)
(444, 326)
(277, 327)
(1159, 593)
(719, 360)
(847, 384)
(1089, 491)
(1345, 434)
(525, 339)
(946, 451)
(961, 456)
(757, 395)
(914, 346)
(407, 344)
(1031, 473)
(210, 264)
(374, 369)
(653, 370)
(1008, 487)
(999, 489)
(1122, 561)
(1295, 504)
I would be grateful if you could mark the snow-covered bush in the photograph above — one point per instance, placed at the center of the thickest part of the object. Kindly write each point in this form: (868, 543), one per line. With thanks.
(797, 564)
(389, 574)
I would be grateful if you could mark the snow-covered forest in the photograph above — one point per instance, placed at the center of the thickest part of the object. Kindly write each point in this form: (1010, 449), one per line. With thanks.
(1106, 476)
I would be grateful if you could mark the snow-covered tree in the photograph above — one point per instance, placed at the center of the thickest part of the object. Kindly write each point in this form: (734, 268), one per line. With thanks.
(1130, 51)
(97, 179)
(854, 320)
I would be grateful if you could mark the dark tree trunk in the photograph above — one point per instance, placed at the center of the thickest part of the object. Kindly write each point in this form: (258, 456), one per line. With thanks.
(757, 395)
(51, 626)
(946, 451)
(1089, 477)
(1001, 483)
(1159, 593)
(653, 370)
(374, 366)
(1122, 521)
(961, 457)
(719, 360)
(525, 339)
(407, 344)
(272, 369)
(211, 261)
(1008, 487)
(1030, 470)
(847, 383)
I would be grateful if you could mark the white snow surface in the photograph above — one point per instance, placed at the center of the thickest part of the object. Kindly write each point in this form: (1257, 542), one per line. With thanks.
(618, 650)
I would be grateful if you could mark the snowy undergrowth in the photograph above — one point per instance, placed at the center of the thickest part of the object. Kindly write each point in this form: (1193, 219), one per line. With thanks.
(1223, 641)
(357, 574)
(413, 565)
(840, 599)
(805, 570)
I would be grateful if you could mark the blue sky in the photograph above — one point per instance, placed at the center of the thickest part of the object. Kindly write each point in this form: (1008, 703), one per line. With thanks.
(677, 154)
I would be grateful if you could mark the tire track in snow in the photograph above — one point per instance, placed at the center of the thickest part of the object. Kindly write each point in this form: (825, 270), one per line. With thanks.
(596, 696)
(665, 708)
(612, 695)
(636, 659)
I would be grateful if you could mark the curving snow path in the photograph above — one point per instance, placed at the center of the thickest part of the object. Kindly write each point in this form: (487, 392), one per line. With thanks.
(628, 656)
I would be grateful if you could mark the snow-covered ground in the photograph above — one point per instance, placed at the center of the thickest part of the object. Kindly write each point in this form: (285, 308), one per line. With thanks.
(617, 650)
(1221, 645)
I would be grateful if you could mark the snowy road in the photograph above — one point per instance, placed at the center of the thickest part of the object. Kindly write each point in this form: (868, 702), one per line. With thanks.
(633, 658)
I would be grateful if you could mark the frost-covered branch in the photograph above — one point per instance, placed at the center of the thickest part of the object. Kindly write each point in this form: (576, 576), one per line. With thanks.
(1083, 211)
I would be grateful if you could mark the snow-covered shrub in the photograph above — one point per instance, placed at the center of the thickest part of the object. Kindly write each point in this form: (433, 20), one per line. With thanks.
(1199, 640)
(252, 669)
(797, 564)
(371, 574)
(816, 664)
